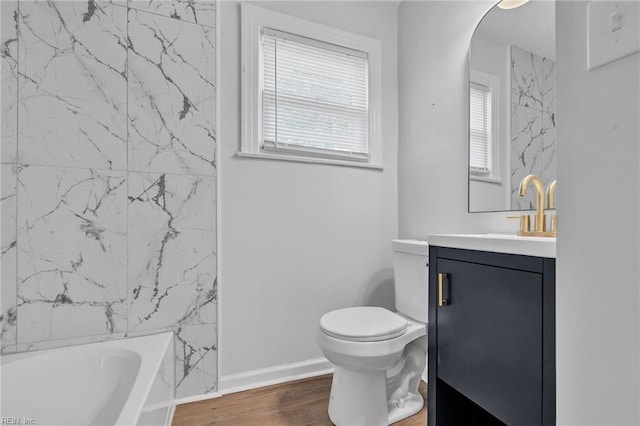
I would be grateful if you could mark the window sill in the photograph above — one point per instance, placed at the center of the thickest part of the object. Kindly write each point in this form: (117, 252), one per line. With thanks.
(497, 181)
(298, 159)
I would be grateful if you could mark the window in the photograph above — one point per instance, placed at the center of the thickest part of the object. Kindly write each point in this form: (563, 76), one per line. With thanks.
(484, 127)
(479, 128)
(310, 92)
(314, 97)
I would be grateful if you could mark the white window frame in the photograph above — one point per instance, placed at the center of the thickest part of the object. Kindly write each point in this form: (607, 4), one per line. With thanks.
(254, 20)
(493, 83)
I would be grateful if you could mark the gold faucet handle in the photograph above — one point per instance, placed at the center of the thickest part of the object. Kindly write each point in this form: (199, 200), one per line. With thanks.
(551, 195)
(554, 224)
(525, 223)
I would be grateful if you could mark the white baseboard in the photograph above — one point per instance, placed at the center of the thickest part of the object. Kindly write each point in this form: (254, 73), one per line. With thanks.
(264, 377)
(273, 375)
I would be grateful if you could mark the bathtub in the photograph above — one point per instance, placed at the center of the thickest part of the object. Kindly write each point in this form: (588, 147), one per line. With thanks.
(119, 382)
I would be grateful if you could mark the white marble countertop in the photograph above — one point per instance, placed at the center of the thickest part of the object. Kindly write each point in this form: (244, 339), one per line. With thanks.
(499, 243)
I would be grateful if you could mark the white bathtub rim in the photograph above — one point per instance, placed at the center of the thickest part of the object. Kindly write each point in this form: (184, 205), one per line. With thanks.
(151, 348)
(155, 347)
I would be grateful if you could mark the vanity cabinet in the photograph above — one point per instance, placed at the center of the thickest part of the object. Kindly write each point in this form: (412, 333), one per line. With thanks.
(491, 338)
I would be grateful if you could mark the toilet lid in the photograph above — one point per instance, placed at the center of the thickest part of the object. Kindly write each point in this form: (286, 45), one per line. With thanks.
(363, 324)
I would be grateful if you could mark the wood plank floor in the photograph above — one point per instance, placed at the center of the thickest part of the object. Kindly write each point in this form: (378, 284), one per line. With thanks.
(300, 403)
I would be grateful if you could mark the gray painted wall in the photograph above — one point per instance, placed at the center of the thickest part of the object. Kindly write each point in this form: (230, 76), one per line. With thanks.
(299, 240)
(433, 42)
(598, 333)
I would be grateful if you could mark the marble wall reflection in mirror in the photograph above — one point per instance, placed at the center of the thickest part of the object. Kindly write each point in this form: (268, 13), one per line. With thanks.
(512, 105)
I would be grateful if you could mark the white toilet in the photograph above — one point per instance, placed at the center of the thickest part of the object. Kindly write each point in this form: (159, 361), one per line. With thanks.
(379, 355)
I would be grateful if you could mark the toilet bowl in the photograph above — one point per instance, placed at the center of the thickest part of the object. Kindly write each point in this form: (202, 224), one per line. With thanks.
(374, 365)
(379, 355)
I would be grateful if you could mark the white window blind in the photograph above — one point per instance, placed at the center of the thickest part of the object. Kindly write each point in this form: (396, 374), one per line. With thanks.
(480, 128)
(314, 97)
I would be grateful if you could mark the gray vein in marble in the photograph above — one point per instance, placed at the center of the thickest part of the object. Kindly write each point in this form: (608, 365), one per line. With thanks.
(72, 71)
(170, 118)
(74, 40)
(71, 250)
(532, 122)
(196, 11)
(196, 355)
(532, 135)
(8, 206)
(9, 318)
(9, 65)
(160, 200)
(96, 198)
(172, 272)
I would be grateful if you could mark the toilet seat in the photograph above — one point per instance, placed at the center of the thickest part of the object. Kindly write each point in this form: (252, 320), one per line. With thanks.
(363, 324)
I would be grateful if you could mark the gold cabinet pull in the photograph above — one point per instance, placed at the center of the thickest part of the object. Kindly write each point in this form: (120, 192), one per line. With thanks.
(441, 300)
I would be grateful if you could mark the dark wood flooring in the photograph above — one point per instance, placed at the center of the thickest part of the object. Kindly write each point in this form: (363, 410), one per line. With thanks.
(299, 403)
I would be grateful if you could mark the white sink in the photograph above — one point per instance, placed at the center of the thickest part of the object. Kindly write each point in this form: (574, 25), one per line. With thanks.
(499, 243)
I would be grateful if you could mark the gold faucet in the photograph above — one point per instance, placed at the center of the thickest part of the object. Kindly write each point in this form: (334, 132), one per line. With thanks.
(540, 223)
(551, 196)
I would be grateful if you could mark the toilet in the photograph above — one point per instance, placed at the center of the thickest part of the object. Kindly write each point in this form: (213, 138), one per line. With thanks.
(379, 355)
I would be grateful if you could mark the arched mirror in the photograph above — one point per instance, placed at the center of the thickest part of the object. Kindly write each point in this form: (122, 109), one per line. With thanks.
(512, 102)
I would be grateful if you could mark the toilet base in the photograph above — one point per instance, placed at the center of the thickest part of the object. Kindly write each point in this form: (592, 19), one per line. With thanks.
(403, 380)
(413, 403)
(358, 398)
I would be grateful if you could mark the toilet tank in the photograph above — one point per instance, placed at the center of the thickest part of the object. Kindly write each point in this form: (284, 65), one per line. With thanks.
(411, 276)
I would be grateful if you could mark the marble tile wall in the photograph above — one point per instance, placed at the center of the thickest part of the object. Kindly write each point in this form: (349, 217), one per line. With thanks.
(109, 177)
(533, 127)
(8, 172)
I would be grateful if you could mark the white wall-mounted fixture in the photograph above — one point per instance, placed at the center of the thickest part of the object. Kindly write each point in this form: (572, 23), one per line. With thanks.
(613, 31)
(511, 4)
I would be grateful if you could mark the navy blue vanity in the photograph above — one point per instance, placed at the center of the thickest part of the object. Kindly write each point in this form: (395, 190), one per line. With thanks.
(491, 332)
